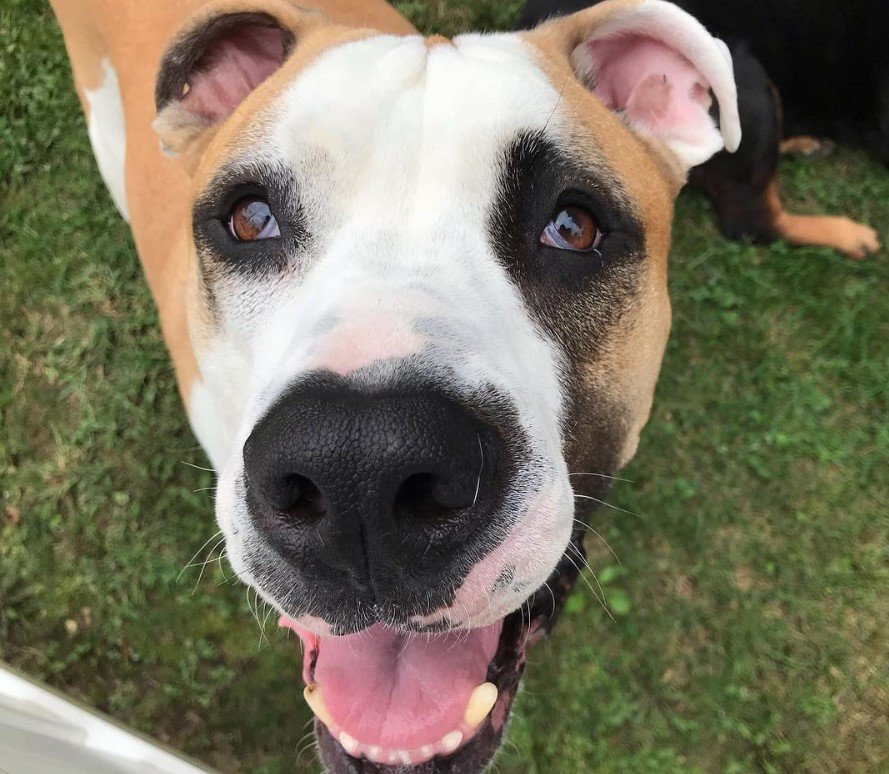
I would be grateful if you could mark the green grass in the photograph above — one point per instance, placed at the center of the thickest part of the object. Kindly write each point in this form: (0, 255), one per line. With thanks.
(752, 592)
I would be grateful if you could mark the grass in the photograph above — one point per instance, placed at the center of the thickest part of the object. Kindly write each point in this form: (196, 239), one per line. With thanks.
(752, 593)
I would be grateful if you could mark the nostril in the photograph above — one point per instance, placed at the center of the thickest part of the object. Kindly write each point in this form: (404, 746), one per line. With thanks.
(297, 497)
(425, 496)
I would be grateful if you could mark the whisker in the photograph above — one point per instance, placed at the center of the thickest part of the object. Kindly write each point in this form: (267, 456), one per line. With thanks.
(579, 554)
(204, 565)
(212, 537)
(305, 738)
(210, 556)
(481, 468)
(602, 600)
(221, 568)
(607, 505)
(255, 611)
(553, 611)
(197, 467)
(598, 535)
(558, 102)
(528, 628)
(210, 560)
(312, 746)
(233, 577)
(268, 613)
(605, 475)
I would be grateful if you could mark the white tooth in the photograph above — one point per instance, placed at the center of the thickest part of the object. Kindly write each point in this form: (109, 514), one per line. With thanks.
(481, 701)
(400, 756)
(313, 697)
(374, 753)
(450, 742)
(349, 744)
(426, 751)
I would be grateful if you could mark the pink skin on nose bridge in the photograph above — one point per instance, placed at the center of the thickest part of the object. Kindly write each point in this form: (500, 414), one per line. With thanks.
(357, 344)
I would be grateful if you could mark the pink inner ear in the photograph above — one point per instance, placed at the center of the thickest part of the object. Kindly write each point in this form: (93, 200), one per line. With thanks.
(656, 87)
(233, 66)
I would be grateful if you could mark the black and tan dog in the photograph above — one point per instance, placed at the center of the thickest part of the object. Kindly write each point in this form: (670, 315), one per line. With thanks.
(410, 286)
(805, 69)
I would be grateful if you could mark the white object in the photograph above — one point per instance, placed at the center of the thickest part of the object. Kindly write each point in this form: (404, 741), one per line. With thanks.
(41, 732)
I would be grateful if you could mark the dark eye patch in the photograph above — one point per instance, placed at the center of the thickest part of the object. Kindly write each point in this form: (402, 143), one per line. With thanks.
(576, 296)
(219, 249)
(537, 181)
(580, 299)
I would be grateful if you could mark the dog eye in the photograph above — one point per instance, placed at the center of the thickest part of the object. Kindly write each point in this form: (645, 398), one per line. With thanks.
(251, 219)
(574, 229)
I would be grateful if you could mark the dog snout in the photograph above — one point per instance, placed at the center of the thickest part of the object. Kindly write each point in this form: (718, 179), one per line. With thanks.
(376, 489)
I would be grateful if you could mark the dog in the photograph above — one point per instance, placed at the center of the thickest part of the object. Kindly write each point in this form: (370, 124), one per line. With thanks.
(415, 293)
(830, 70)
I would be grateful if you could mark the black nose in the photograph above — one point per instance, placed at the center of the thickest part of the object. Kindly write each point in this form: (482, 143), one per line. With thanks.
(373, 489)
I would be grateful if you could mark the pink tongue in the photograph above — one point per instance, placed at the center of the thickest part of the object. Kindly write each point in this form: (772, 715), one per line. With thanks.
(398, 690)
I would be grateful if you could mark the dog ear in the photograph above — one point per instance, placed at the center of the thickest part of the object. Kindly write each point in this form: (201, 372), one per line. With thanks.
(212, 66)
(655, 66)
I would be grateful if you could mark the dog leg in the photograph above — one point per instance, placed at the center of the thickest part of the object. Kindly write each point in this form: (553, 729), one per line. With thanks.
(807, 145)
(743, 186)
(736, 183)
(854, 240)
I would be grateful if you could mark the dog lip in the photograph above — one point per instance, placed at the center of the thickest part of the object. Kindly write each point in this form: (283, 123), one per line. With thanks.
(452, 755)
(519, 632)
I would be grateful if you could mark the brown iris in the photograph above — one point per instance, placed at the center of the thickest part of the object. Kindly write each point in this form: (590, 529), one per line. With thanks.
(251, 219)
(572, 228)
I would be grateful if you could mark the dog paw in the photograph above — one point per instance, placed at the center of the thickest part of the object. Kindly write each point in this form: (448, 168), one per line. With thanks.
(857, 241)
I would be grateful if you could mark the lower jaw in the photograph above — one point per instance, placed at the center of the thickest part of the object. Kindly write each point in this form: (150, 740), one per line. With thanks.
(477, 746)
(471, 757)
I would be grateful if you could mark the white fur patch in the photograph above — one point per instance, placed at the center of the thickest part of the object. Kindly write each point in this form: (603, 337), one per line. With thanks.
(398, 170)
(107, 133)
(208, 423)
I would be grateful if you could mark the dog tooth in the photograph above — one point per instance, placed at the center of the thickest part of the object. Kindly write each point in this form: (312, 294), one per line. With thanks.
(451, 742)
(481, 701)
(350, 745)
(313, 697)
(426, 751)
(374, 753)
(400, 756)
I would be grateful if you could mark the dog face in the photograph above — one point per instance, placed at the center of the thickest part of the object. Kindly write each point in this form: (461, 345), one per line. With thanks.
(429, 305)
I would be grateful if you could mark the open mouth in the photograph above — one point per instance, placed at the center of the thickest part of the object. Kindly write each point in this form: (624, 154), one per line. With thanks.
(386, 698)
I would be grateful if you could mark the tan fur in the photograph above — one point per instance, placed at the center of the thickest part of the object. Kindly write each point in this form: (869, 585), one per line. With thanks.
(437, 40)
(85, 45)
(158, 188)
(805, 145)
